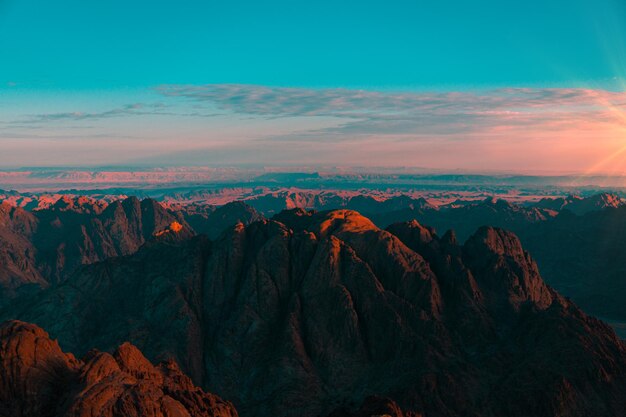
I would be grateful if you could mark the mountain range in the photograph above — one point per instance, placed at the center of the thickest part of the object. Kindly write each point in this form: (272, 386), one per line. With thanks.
(311, 312)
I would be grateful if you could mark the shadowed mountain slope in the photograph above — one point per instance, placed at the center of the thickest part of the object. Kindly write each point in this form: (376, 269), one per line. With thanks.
(18, 266)
(47, 245)
(585, 258)
(313, 313)
(214, 220)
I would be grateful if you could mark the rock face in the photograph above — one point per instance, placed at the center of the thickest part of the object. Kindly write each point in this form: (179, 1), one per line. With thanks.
(18, 266)
(66, 239)
(314, 313)
(213, 223)
(577, 242)
(45, 246)
(37, 379)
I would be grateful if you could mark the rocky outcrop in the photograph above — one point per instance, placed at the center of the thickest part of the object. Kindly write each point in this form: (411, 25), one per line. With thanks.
(37, 379)
(513, 277)
(214, 222)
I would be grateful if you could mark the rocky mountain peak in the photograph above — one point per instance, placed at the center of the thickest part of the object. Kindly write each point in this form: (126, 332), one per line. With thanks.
(504, 270)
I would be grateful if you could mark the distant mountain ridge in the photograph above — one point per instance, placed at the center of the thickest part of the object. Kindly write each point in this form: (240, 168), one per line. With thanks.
(579, 205)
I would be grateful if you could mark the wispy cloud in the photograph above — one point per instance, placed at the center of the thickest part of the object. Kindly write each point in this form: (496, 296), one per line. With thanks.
(315, 102)
(37, 121)
(136, 109)
(63, 136)
(423, 113)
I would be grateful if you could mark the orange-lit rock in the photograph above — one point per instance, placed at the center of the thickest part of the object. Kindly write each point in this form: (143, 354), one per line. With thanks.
(38, 379)
(176, 227)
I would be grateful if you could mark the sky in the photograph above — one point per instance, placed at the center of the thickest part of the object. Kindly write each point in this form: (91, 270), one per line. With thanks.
(529, 87)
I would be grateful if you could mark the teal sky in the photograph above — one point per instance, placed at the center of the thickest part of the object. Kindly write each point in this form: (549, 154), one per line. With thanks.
(205, 82)
(77, 44)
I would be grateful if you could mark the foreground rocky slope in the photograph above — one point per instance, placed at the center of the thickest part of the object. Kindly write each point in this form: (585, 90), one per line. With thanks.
(37, 379)
(318, 313)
